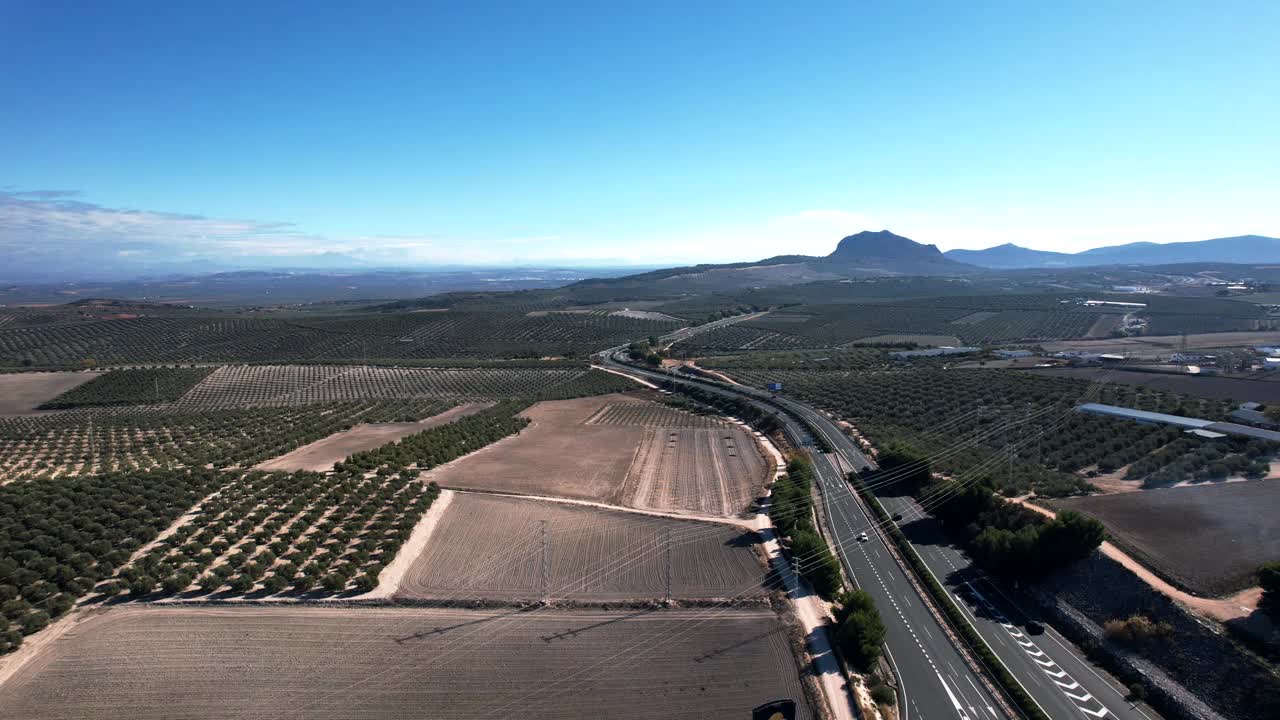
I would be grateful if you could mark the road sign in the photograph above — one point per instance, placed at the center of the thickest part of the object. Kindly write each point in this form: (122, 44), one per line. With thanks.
(776, 710)
(774, 386)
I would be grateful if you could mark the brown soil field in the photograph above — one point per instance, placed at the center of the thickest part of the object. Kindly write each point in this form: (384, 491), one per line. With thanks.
(1215, 388)
(1160, 345)
(322, 454)
(1209, 538)
(706, 472)
(652, 415)
(22, 393)
(615, 449)
(148, 663)
(558, 454)
(489, 547)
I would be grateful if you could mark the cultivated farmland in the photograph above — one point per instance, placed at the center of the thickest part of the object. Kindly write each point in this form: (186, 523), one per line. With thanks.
(23, 393)
(1209, 538)
(322, 454)
(383, 336)
(706, 472)
(603, 450)
(558, 455)
(932, 408)
(488, 547)
(125, 438)
(394, 663)
(236, 385)
(132, 387)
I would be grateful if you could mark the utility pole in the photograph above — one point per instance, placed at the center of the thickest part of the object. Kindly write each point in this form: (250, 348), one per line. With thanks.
(668, 528)
(546, 568)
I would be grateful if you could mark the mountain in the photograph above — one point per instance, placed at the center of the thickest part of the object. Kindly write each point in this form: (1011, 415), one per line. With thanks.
(891, 254)
(1009, 256)
(1242, 249)
(864, 255)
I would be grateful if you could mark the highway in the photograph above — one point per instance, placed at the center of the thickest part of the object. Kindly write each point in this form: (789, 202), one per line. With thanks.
(936, 681)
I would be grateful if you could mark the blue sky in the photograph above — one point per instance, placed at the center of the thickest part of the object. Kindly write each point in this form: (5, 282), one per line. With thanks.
(656, 132)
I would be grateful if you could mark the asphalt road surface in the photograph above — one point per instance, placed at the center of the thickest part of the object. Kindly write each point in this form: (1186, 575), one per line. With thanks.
(936, 682)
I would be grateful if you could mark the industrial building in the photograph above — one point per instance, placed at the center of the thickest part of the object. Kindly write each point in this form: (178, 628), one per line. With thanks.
(1192, 425)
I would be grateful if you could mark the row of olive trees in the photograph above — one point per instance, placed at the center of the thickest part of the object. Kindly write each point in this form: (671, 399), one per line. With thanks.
(58, 539)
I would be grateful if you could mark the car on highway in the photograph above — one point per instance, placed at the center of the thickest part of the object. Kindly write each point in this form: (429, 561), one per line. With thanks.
(862, 537)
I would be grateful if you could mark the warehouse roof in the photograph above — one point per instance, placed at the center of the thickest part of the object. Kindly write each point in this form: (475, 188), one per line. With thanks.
(1180, 421)
(1143, 415)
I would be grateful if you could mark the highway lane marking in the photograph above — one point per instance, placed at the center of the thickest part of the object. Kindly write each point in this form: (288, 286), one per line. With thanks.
(1047, 664)
(954, 702)
(906, 623)
(990, 710)
(1084, 703)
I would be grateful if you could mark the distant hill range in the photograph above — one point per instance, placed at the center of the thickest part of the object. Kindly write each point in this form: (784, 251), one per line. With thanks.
(1244, 249)
(866, 254)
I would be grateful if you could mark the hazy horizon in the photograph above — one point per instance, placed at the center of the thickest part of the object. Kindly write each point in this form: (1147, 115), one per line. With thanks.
(606, 135)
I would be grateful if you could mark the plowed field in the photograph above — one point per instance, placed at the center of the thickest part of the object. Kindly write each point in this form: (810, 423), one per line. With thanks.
(559, 454)
(618, 449)
(22, 393)
(490, 547)
(707, 472)
(149, 663)
(1209, 538)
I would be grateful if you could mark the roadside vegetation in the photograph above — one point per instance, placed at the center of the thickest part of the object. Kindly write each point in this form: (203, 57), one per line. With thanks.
(792, 514)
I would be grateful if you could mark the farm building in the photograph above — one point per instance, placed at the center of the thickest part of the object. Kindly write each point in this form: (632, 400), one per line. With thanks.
(1187, 423)
(1254, 417)
(1011, 354)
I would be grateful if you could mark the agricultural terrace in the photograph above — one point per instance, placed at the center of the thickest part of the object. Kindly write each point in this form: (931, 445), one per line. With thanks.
(23, 393)
(305, 532)
(131, 438)
(131, 387)
(489, 547)
(603, 450)
(934, 410)
(1209, 539)
(392, 663)
(58, 539)
(383, 336)
(238, 385)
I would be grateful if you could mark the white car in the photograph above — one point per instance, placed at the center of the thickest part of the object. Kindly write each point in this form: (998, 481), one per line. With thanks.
(862, 537)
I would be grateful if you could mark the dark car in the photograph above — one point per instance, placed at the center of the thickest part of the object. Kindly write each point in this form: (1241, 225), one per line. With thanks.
(897, 517)
(1034, 628)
